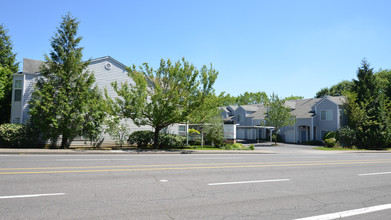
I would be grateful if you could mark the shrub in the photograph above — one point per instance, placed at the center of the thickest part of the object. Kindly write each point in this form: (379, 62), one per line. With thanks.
(145, 138)
(330, 134)
(118, 131)
(331, 142)
(251, 147)
(19, 135)
(236, 146)
(141, 138)
(171, 140)
(214, 132)
(278, 137)
(347, 136)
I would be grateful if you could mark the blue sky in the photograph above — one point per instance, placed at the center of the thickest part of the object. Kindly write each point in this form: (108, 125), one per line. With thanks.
(288, 47)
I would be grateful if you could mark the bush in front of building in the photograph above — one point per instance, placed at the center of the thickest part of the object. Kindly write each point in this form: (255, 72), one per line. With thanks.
(276, 138)
(347, 136)
(19, 135)
(141, 138)
(171, 140)
(331, 142)
(330, 134)
(145, 138)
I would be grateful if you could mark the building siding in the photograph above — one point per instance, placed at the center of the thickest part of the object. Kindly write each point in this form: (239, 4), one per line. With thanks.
(103, 79)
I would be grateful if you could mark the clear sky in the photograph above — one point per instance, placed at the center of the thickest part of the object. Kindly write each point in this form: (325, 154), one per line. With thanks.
(288, 47)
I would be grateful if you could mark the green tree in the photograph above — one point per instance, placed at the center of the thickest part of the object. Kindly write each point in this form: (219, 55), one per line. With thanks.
(336, 90)
(292, 97)
(365, 85)
(66, 103)
(215, 132)
(369, 110)
(8, 65)
(249, 98)
(383, 80)
(225, 99)
(277, 114)
(162, 97)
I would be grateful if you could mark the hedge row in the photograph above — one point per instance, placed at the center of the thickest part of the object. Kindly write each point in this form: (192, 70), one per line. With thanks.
(16, 135)
(145, 138)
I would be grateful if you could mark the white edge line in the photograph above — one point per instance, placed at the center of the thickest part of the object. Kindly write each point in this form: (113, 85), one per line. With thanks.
(370, 174)
(348, 213)
(33, 195)
(99, 159)
(242, 182)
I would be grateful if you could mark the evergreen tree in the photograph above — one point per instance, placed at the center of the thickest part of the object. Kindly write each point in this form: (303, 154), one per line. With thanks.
(365, 85)
(66, 103)
(369, 110)
(8, 65)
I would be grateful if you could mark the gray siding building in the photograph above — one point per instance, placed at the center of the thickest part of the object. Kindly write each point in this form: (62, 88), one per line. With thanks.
(314, 118)
(106, 70)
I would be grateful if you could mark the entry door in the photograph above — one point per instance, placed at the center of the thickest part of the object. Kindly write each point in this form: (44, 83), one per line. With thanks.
(303, 136)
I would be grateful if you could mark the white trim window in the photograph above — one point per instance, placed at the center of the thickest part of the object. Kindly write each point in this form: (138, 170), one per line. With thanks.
(18, 90)
(326, 115)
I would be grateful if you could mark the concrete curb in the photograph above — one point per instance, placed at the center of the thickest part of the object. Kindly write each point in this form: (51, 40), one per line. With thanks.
(114, 152)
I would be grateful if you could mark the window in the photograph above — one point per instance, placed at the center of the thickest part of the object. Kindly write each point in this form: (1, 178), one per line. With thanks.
(238, 116)
(182, 128)
(18, 91)
(326, 115)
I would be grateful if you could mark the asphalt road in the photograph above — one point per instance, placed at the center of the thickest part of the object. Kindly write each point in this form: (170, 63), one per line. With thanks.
(298, 184)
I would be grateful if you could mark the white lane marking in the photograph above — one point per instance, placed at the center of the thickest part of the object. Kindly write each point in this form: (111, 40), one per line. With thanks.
(243, 182)
(348, 213)
(217, 158)
(88, 159)
(163, 181)
(29, 196)
(370, 174)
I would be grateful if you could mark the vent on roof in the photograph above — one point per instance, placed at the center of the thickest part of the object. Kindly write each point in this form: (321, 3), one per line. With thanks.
(108, 66)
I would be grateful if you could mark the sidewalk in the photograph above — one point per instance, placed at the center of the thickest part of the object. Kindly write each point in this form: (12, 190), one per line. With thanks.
(73, 151)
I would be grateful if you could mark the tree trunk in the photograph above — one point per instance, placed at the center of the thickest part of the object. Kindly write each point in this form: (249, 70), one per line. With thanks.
(64, 142)
(156, 137)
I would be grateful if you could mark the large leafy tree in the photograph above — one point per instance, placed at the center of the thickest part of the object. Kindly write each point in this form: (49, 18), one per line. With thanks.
(66, 103)
(8, 65)
(277, 114)
(249, 98)
(336, 90)
(173, 93)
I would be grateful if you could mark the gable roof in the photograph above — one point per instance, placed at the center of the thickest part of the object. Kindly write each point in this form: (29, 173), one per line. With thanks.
(109, 58)
(251, 108)
(338, 100)
(31, 66)
(260, 113)
(304, 108)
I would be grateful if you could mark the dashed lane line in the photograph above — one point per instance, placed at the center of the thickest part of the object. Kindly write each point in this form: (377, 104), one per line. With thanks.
(30, 196)
(244, 182)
